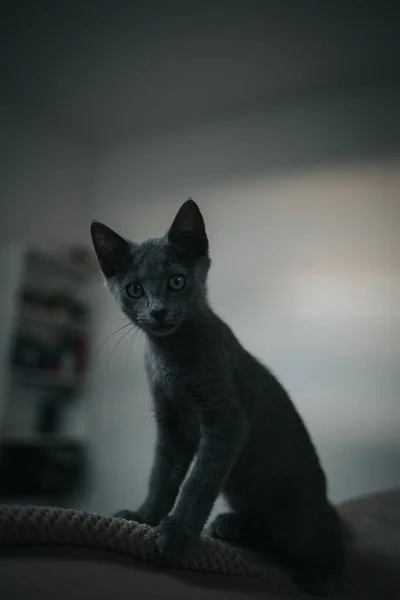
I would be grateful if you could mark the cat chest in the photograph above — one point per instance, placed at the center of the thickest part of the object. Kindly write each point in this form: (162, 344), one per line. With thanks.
(175, 389)
(165, 375)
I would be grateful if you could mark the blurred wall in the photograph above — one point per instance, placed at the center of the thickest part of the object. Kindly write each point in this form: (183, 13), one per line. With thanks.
(302, 209)
(46, 176)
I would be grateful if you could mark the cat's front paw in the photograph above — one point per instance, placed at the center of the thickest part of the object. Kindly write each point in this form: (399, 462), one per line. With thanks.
(226, 526)
(129, 515)
(173, 540)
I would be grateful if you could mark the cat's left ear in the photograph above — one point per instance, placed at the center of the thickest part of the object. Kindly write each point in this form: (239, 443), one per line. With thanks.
(189, 229)
(111, 249)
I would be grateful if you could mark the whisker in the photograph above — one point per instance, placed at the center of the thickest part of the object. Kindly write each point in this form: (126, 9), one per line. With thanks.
(122, 319)
(218, 304)
(121, 339)
(114, 333)
(131, 337)
(132, 341)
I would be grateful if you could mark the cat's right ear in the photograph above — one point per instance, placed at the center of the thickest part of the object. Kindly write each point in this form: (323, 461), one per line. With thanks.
(188, 229)
(111, 249)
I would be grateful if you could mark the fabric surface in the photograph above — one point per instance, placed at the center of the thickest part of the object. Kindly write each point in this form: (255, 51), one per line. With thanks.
(46, 525)
(373, 569)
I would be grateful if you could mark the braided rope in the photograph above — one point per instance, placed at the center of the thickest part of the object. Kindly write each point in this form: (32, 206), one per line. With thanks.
(32, 525)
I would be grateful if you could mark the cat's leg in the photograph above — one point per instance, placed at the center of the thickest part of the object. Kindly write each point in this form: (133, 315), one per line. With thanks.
(217, 452)
(227, 526)
(243, 532)
(129, 515)
(312, 540)
(173, 456)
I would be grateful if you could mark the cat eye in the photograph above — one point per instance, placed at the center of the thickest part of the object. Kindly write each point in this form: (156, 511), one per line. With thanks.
(177, 283)
(134, 290)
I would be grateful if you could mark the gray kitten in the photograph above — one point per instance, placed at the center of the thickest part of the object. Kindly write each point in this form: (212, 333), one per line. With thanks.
(216, 404)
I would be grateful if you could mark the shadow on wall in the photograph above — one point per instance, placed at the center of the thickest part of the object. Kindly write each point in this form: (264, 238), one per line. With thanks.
(359, 468)
(302, 134)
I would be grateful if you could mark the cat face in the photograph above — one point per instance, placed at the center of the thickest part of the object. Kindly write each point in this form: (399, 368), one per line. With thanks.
(159, 283)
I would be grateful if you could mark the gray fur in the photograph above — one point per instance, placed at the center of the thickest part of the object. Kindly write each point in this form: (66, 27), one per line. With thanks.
(217, 405)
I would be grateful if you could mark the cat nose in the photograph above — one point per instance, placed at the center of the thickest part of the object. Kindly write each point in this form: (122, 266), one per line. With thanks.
(158, 314)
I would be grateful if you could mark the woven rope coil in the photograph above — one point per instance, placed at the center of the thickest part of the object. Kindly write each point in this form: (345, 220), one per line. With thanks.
(31, 525)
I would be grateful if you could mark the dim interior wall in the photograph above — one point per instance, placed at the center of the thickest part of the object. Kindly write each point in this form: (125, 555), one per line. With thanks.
(303, 216)
(45, 178)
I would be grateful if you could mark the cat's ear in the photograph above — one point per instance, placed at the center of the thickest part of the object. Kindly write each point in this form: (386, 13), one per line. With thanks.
(189, 229)
(111, 249)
